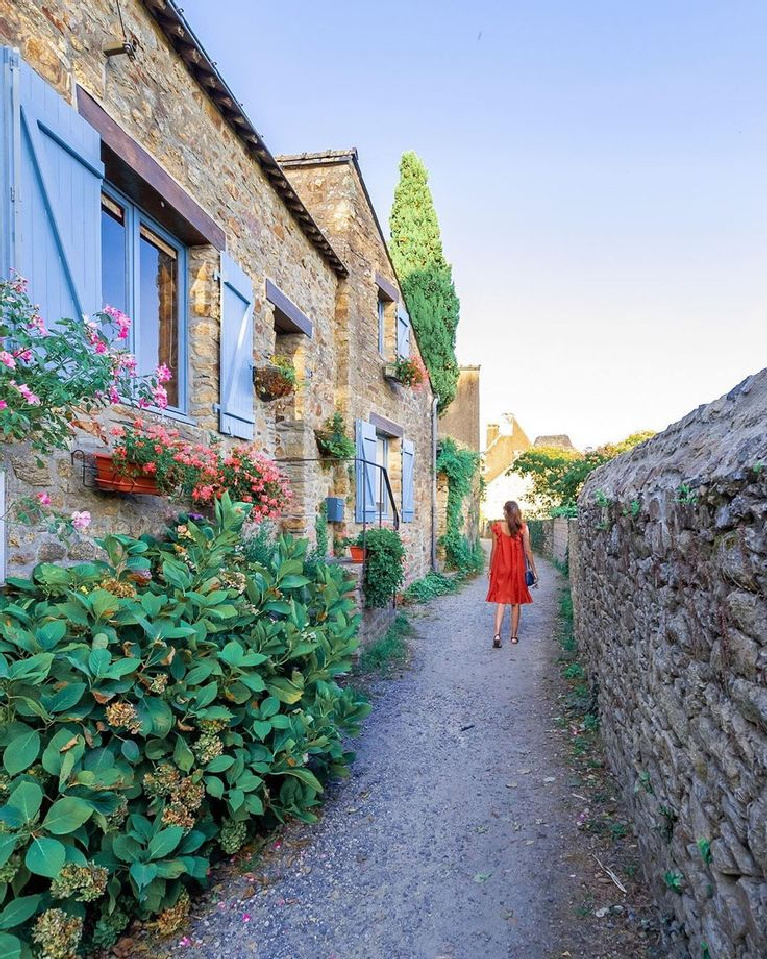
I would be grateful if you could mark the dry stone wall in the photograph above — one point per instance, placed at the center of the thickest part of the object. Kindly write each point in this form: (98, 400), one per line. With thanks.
(670, 585)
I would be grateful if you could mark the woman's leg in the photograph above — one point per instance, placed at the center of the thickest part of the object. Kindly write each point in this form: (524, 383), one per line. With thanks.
(515, 618)
(499, 611)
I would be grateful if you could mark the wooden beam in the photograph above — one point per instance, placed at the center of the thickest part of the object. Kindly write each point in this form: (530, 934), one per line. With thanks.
(387, 288)
(288, 318)
(386, 426)
(130, 168)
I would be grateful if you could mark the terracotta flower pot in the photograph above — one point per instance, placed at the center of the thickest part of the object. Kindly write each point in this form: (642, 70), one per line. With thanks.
(271, 383)
(357, 553)
(109, 478)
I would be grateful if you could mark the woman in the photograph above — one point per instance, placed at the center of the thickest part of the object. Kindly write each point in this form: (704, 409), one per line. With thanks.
(508, 584)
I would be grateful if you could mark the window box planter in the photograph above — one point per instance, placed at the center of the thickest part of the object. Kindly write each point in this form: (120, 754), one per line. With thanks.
(272, 383)
(357, 553)
(391, 373)
(108, 478)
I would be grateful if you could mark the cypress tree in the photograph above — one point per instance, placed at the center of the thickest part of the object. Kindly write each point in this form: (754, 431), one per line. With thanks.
(425, 275)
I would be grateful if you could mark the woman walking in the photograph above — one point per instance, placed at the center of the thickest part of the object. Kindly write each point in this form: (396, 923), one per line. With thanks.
(508, 569)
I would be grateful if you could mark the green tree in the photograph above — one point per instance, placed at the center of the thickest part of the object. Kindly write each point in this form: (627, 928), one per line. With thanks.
(559, 474)
(425, 275)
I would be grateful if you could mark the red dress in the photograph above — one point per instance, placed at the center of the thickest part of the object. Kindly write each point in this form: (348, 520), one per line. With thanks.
(507, 572)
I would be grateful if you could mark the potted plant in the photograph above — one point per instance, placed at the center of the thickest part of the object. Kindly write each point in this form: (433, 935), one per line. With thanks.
(275, 379)
(333, 440)
(143, 460)
(410, 371)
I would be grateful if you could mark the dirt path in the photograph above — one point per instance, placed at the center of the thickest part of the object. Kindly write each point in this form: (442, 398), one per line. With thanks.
(448, 840)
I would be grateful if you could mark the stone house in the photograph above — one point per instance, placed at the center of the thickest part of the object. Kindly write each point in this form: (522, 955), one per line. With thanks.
(137, 180)
(395, 426)
(505, 442)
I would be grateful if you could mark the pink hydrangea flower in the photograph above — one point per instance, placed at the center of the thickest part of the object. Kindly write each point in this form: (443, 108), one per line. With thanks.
(43, 499)
(8, 359)
(81, 519)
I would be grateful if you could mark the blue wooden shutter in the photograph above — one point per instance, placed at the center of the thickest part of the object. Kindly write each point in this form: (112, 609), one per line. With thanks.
(367, 473)
(236, 416)
(408, 492)
(403, 333)
(51, 174)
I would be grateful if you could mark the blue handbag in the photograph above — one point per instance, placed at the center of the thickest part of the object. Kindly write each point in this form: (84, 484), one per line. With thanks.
(529, 575)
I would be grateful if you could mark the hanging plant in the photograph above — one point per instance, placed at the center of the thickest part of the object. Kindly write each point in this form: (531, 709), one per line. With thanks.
(410, 371)
(333, 441)
(275, 380)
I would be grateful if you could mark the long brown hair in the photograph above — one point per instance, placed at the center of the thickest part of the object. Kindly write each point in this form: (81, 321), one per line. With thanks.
(513, 516)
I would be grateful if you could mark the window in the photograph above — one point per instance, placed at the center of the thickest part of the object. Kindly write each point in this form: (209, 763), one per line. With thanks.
(381, 326)
(382, 458)
(144, 275)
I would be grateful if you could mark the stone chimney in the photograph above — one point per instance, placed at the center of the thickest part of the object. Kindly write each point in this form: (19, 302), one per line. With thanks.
(493, 432)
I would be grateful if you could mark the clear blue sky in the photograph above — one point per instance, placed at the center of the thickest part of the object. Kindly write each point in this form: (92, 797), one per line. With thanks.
(599, 171)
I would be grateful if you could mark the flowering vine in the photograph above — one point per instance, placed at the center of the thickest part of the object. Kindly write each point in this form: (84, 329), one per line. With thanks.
(49, 378)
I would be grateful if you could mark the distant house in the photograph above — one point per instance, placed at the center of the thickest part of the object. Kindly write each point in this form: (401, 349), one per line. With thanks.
(506, 441)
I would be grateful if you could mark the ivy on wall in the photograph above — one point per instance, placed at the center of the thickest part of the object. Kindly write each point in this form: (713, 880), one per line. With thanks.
(425, 275)
(459, 466)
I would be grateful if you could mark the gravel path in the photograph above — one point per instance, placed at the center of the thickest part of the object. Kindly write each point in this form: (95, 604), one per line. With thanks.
(450, 839)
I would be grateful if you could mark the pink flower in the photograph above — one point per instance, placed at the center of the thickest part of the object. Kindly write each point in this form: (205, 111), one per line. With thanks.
(37, 323)
(27, 393)
(81, 520)
(114, 396)
(43, 499)
(5, 357)
(164, 374)
(100, 347)
(246, 917)
(160, 395)
(3, 405)
(24, 355)
(186, 941)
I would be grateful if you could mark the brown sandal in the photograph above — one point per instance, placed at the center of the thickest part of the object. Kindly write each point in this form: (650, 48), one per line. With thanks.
(497, 641)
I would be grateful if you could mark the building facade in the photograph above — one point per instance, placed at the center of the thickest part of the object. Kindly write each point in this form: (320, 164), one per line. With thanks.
(136, 180)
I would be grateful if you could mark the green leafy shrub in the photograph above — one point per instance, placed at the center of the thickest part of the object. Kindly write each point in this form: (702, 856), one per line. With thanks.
(431, 586)
(333, 440)
(459, 466)
(384, 572)
(158, 705)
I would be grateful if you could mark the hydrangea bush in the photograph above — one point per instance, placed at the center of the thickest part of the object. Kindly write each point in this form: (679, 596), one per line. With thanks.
(158, 707)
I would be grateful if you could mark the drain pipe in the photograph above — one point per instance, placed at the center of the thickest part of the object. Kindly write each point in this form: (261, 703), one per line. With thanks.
(434, 483)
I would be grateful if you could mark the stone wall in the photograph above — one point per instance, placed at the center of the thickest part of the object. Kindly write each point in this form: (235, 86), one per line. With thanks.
(461, 419)
(559, 539)
(670, 586)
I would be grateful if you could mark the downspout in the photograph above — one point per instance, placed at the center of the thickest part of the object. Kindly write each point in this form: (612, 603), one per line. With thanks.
(434, 428)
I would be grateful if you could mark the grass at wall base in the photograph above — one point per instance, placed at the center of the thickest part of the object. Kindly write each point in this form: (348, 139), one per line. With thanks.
(159, 707)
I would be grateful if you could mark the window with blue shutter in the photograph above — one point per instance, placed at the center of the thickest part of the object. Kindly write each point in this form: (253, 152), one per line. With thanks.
(403, 333)
(236, 413)
(144, 275)
(367, 472)
(51, 173)
(408, 475)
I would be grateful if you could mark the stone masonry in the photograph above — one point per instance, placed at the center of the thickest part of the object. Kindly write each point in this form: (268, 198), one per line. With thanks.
(670, 587)
(331, 186)
(181, 123)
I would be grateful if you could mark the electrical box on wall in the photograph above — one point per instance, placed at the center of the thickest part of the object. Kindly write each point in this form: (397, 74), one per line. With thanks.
(335, 509)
